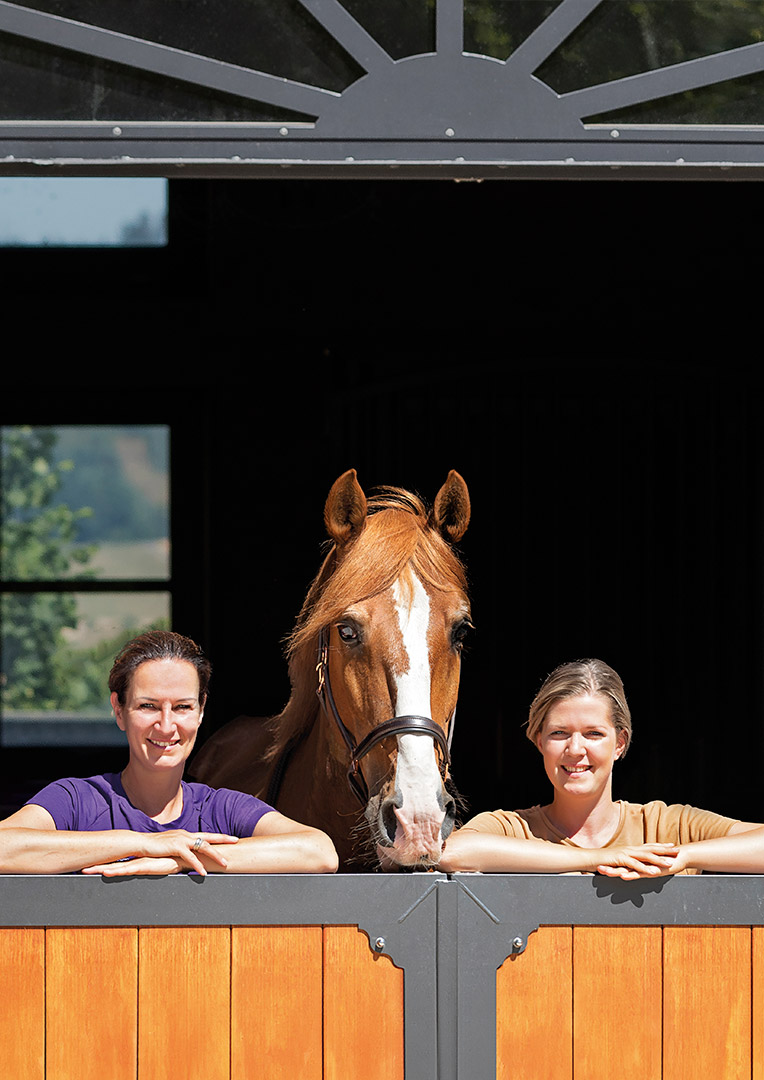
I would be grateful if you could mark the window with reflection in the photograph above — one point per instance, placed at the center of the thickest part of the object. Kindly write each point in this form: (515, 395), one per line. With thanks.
(43, 211)
(85, 565)
(43, 80)
(619, 39)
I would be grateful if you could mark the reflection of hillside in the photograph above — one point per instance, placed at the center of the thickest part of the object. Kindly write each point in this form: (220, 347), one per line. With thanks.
(145, 476)
(147, 230)
(141, 560)
(122, 474)
(104, 617)
(144, 559)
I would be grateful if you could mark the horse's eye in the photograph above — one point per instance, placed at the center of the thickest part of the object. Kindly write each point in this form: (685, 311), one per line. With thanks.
(460, 632)
(347, 633)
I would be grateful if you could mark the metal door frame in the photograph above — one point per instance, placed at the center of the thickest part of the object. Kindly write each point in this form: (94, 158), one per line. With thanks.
(447, 113)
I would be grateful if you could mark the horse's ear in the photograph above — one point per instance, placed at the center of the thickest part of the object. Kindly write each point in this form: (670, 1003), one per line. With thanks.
(451, 512)
(345, 510)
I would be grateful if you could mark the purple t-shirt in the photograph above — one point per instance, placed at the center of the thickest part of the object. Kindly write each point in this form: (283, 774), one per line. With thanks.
(99, 803)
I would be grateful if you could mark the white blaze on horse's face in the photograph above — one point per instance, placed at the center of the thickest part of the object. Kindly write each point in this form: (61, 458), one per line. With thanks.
(398, 654)
(418, 799)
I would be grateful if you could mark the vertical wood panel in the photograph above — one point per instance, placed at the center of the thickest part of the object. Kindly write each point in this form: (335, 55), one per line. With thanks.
(617, 1002)
(534, 1009)
(363, 1009)
(757, 1002)
(184, 1003)
(276, 1003)
(91, 1003)
(707, 1002)
(22, 1015)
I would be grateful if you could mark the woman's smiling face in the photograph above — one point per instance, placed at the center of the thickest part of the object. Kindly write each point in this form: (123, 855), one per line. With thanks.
(161, 713)
(579, 744)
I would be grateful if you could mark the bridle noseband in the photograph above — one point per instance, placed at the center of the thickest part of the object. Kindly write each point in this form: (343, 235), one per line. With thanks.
(397, 725)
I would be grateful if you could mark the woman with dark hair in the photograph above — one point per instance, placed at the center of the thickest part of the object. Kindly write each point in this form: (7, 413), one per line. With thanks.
(581, 724)
(148, 819)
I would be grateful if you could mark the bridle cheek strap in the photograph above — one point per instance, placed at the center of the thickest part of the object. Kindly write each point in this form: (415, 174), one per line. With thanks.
(397, 725)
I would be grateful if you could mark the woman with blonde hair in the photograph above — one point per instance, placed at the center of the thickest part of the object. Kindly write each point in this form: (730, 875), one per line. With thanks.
(581, 724)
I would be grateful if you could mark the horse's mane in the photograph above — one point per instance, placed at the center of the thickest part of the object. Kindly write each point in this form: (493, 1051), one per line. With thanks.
(398, 534)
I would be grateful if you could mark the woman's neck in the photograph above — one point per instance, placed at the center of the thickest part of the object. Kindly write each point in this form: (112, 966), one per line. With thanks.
(588, 824)
(160, 797)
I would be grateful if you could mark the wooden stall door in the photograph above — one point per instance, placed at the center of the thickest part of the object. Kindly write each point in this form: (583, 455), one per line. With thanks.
(91, 1003)
(184, 1003)
(707, 1002)
(22, 1016)
(363, 1009)
(276, 1003)
(617, 1001)
(757, 1002)
(534, 1009)
(636, 1003)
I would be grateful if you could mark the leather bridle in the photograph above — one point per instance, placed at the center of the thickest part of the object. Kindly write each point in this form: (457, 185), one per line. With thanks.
(397, 725)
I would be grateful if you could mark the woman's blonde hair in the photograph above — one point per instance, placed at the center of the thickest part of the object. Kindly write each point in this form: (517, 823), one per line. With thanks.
(574, 680)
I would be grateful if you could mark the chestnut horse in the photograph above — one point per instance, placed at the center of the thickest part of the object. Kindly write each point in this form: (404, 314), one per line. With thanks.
(374, 664)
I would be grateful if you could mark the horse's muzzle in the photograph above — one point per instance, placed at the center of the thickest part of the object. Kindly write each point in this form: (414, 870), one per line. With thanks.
(411, 841)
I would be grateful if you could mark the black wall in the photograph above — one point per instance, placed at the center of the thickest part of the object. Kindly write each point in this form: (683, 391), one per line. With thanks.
(584, 353)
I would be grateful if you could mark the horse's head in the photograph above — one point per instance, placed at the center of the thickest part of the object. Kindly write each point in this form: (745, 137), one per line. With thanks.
(392, 611)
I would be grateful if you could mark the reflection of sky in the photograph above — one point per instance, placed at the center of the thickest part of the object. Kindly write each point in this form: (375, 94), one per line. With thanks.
(82, 211)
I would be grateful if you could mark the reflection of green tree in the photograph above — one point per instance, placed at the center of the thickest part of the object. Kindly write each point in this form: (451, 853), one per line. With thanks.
(82, 673)
(40, 670)
(626, 37)
(38, 544)
(492, 29)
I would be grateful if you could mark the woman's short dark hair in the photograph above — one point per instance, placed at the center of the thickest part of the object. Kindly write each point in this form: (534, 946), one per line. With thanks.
(576, 679)
(157, 645)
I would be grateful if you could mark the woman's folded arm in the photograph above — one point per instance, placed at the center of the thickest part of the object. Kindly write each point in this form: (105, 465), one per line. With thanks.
(279, 846)
(741, 851)
(469, 850)
(31, 844)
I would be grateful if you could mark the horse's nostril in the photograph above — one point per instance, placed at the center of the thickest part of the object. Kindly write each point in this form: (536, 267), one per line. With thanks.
(450, 816)
(388, 821)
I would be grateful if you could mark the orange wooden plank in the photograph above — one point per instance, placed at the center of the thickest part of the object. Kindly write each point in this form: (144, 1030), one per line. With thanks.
(91, 984)
(22, 1016)
(707, 1002)
(757, 1002)
(276, 1003)
(534, 995)
(184, 1003)
(617, 1002)
(363, 1009)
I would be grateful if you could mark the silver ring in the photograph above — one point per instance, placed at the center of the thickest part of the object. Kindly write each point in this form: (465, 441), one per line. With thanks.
(197, 843)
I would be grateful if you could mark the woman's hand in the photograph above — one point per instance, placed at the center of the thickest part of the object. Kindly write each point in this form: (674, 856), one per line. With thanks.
(187, 847)
(642, 860)
(169, 852)
(141, 867)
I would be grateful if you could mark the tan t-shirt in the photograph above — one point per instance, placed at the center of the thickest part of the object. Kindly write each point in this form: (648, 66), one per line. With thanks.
(647, 823)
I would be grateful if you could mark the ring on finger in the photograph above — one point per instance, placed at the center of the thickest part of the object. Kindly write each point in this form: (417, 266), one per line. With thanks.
(197, 843)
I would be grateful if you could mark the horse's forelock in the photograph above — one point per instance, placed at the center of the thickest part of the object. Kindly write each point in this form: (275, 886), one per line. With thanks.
(396, 536)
